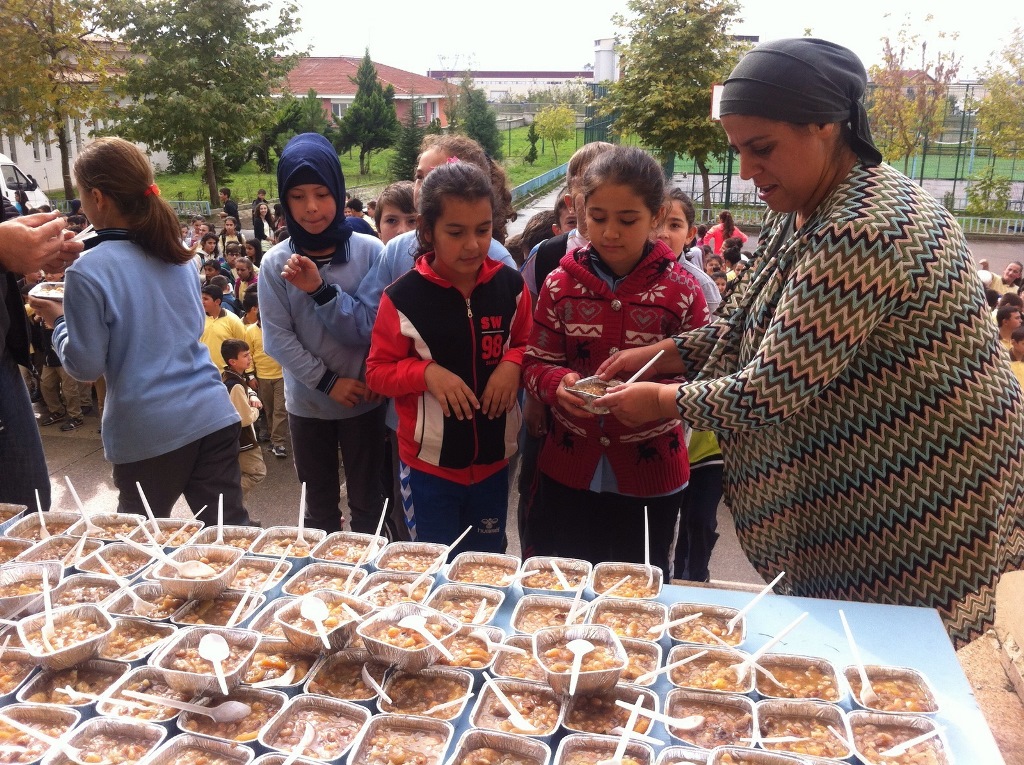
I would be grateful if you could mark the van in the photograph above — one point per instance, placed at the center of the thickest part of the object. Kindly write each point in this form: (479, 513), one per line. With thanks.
(13, 179)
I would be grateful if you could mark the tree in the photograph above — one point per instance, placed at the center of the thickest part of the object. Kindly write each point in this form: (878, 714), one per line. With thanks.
(675, 52)
(407, 147)
(904, 106)
(56, 70)
(555, 123)
(370, 122)
(1001, 112)
(201, 73)
(479, 121)
(532, 137)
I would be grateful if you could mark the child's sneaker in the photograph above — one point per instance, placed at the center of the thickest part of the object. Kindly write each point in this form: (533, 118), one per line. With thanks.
(279, 451)
(73, 424)
(51, 418)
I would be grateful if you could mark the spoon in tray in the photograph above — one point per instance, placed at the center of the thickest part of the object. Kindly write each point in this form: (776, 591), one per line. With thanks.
(578, 648)
(226, 712)
(493, 647)
(742, 667)
(903, 748)
(731, 624)
(44, 533)
(374, 685)
(190, 569)
(674, 623)
(648, 676)
(410, 587)
(148, 509)
(365, 554)
(90, 527)
(307, 738)
(314, 609)
(73, 754)
(46, 633)
(277, 682)
(446, 704)
(214, 648)
(142, 607)
(418, 622)
(514, 715)
(868, 697)
(690, 722)
(620, 748)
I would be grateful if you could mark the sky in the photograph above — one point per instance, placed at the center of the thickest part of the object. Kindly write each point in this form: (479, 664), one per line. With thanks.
(418, 35)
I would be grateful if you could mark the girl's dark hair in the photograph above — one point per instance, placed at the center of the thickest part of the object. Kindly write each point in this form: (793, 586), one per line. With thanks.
(702, 229)
(397, 195)
(123, 173)
(680, 196)
(468, 150)
(460, 180)
(727, 224)
(257, 245)
(630, 167)
(537, 230)
(216, 243)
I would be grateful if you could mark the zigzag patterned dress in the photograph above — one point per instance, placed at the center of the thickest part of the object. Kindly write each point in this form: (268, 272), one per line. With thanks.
(871, 428)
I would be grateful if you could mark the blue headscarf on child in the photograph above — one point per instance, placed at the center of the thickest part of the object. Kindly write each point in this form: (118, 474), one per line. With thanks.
(310, 158)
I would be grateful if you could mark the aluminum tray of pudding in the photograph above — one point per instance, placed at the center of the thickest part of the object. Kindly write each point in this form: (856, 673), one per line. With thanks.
(344, 614)
(190, 749)
(16, 667)
(224, 560)
(725, 719)
(264, 575)
(630, 618)
(598, 712)
(404, 647)
(468, 603)
(642, 657)
(808, 721)
(600, 669)
(710, 672)
(491, 747)
(239, 537)
(83, 589)
(274, 657)
(487, 569)
(519, 666)
(733, 755)
(57, 522)
(899, 689)
(340, 676)
(148, 680)
(125, 561)
(589, 749)
(544, 581)
(264, 703)
(384, 588)
(54, 721)
(714, 619)
(535, 612)
(152, 593)
(417, 693)
(265, 622)
(336, 724)
(682, 755)
(875, 732)
(188, 672)
(10, 514)
(349, 547)
(169, 533)
(469, 651)
(61, 547)
(590, 389)
(78, 632)
(802, 677)
(396, 739)
(94, 677)
(325, 576)
(21, 586)
(284, 540)
(411, 557)
(642, 582)
(13, 549)
(226, 607)
(134, 638)
(539, 705)
(117, 742)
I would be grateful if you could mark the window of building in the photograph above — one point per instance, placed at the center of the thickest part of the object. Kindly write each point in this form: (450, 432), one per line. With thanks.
(47, 148)
(13, 153)
(338, 109)
(78, 136)
(35, 147)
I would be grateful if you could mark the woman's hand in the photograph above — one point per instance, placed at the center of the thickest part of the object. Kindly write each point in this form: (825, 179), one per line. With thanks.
(47, 310)
(500, 392)
(302, 272)
(348, 391)
(640, 402)
(569, 401)
(455, 396)
(37, 242)
(624, 363)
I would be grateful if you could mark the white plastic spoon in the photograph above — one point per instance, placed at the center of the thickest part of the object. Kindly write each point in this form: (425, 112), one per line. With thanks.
(606, 594)
(514, 715)
(73, 694)
(190, 569)
(90, 527)
(47, 631)
(575, 608)
(225, 712)
(446, 704)
(481, 612)
(648, 676)
(647, 532)
(44, 533)
(690, 722)
(560, 576)
(214, 648)
(620, 748)
(220, 519)
(141, 606)
(418, 622)
(578, 648)
(410, 587)
(299, 536)
(776, 739)
(239, 611)
(370, 545)
(731, 624)
(286, 679)
(618, 730)
(307, 738)
(377, 687)
(314, 609)
(899, 749)
(674, 623)
(74, 555)
(493, 647)
(145, 505)
(868, 697)
(644, 368)
(743, 667)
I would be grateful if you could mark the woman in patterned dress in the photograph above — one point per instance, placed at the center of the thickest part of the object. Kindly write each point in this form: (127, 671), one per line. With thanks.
(871, 428)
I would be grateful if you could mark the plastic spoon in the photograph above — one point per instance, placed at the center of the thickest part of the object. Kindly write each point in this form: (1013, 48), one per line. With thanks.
(236, 615)
(371, 683)
(314, 609)
(742, 668)
(190, 569)
(899, 749)
(85, 233)
(220, 520)
(74, 556)
(493, 647)
(299, 536)
(44, 533)
(570, 617)
(675, 623)
(418, 622)
(214, 648)
(47, 631)
(561, 577)
(731, 624)
(73, 694)
(446, 704)
(868, 697)
(69, 751)
(754, 664)
(690, 722)
(145, 505)
(644, 368)
(647, 533)
(307, 738)
(410, 587)
(90, 527)
(370, 545)
(606, 594)
(225, 712)
(481, 612)
(141, 606)
(286, 679)
(776, 739)
(647, 676)
(620, 748)
(514, 715)
(578, 648)
(618, 730)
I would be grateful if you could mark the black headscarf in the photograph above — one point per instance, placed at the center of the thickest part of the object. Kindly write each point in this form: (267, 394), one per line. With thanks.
(310, 158)
(805, 81)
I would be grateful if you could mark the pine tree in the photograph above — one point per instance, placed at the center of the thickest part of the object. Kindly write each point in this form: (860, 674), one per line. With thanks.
(407, 147)
(370, 122)
(480, 122)
(532, 137)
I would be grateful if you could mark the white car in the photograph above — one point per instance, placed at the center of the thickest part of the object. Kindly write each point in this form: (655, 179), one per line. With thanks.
(12, 179)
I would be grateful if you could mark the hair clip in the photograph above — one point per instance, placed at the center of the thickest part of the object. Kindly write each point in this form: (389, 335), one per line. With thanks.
(151, 190)
(452, 160)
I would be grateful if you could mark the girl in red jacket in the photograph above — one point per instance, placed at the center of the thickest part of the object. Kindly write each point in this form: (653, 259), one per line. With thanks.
(621, 291)
(448, 345)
